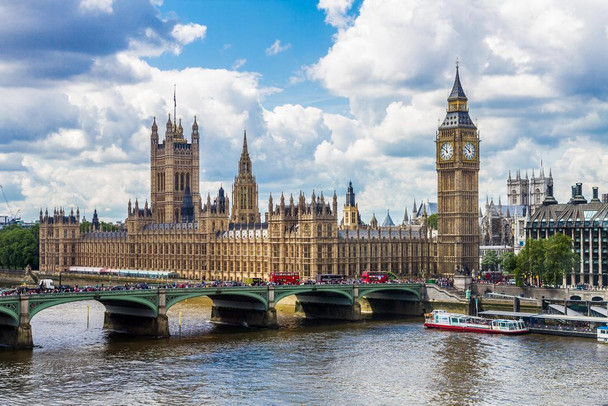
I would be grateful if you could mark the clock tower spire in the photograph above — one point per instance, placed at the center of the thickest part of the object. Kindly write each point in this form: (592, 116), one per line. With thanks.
(457, 164)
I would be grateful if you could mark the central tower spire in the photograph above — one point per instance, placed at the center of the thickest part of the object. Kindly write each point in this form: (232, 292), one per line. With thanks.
(245, 190)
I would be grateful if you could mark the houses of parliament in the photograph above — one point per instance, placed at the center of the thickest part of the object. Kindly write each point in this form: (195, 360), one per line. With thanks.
(226, 238)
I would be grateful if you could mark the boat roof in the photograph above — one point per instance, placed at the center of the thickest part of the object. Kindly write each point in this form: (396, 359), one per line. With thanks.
(507, 314)
(545, 316)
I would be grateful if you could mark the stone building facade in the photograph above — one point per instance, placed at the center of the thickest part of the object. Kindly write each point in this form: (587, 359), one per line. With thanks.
(178, 232)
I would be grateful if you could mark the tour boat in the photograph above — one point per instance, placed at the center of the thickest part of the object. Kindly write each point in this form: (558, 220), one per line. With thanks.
(602, 334)
(459, 322)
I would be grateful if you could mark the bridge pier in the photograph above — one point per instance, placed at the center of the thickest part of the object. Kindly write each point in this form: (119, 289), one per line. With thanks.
(137, 325)
(18, 336)
(249, 317)
(129, 320)
(314, 310)
(396, 307)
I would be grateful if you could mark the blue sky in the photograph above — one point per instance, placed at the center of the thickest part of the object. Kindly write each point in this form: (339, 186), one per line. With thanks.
(329, 91)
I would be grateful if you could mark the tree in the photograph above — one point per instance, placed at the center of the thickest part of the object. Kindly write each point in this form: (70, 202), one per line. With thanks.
(490, 261)
(103, 226)
(432, 221)
(530, 262)
(508, 260)
(18, 247)
(559, 258)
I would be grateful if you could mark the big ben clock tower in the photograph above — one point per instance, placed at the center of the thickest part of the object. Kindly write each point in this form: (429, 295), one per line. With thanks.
(457, 163)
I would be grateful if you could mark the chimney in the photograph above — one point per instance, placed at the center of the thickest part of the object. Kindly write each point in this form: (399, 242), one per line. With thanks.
(595, 195)
(578, 197)
(605, 198)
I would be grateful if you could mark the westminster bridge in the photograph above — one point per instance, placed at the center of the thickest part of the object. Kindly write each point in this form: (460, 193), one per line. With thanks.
(144, 311)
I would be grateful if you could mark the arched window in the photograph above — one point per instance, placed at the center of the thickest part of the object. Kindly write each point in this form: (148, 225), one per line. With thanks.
(181, 183)
(187, 180)
(176, 181)
(176, 216)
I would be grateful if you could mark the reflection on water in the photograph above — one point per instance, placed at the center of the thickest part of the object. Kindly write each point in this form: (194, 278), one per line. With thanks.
(389, 361)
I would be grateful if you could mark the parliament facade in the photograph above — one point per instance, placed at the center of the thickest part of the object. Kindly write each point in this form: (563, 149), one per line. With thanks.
(224, 238)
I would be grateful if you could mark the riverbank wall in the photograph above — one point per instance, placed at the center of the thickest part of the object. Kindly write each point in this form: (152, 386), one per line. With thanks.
(538, 293)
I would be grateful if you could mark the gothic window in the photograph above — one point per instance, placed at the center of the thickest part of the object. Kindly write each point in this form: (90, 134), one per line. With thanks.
(176, 181)
(187, 180)
(181, 183)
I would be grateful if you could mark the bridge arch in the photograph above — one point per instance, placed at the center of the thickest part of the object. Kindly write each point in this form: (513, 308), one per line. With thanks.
(364, 291)
(282, 295)
(37, 304)
(176, 297)
(12, 312)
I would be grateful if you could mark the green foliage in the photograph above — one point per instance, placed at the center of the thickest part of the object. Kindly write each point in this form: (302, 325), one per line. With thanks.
(559, 258)
(432, 221)
(19, 247)
(84, 226)
(490, 261)
(108, 226)
(103, 226)
(508, 260)
(545, 260)
(530, 262)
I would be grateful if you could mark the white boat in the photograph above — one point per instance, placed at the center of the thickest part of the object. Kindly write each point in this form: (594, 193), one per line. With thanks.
(443, 320)
(602, 334)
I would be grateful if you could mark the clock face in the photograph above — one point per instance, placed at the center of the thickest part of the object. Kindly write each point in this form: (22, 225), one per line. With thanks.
(469, 151)
(446, 151)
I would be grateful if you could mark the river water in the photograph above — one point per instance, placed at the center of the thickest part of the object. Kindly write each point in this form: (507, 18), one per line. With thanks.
(374, 362)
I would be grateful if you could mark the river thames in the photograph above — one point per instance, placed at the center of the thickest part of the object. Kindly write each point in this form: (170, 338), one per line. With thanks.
(374, 362)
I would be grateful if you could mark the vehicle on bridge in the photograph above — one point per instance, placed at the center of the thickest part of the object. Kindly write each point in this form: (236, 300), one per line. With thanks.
(285, 278)
(374, 277)
(253, 281)
(330, 278)
(46, 284)
(443, 320)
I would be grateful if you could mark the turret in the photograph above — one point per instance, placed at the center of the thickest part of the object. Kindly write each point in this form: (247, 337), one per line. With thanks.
(334, 204)
(154, 133)
(270, 205)
(169, 130)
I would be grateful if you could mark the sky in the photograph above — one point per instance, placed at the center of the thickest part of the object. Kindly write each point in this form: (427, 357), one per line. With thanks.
(329, 92)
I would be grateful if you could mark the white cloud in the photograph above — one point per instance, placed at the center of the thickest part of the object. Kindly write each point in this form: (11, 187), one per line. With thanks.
(71, 139)
(238, 63)
(104, 6)
(536, 80)
(187, 33)
(277, 48)
(336, 12)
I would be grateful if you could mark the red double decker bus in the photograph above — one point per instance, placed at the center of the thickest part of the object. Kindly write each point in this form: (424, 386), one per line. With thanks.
(285, 278)
(374, 277)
